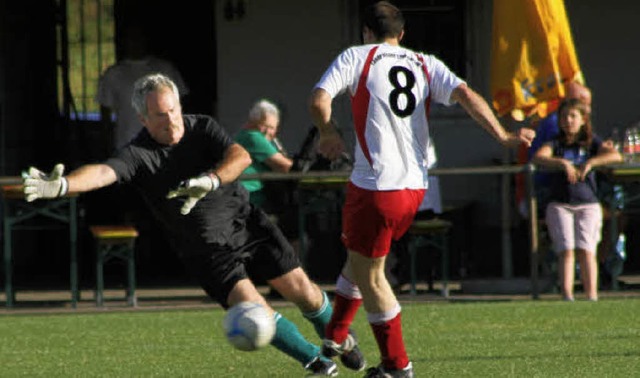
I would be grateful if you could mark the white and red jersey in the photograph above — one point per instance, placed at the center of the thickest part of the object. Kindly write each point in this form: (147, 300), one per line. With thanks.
(391, 88)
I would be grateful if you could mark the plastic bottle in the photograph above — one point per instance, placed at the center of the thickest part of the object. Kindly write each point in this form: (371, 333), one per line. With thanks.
(636, 144)
(621, 247)
(628, 145)
(618, 197)
(614, 263)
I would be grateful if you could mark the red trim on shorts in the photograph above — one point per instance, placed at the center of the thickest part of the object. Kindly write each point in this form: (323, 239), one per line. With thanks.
(372, 219)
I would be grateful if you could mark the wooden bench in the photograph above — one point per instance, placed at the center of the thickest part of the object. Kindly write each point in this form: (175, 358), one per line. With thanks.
(115, 241)
(430, 233)
(18, 214)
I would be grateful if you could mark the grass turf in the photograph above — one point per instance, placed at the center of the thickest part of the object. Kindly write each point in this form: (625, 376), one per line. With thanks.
(478, 339)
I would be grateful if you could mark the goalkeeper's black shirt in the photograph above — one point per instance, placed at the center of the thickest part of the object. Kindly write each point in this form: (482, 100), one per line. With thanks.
(154, 169)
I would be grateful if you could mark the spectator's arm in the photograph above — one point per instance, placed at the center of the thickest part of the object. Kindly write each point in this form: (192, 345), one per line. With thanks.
(278, 162)
(607, 154)
(544, 157)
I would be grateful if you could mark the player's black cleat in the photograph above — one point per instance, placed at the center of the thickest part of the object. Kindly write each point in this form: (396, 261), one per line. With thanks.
(350, 355)
(321, 367)
(380, 372)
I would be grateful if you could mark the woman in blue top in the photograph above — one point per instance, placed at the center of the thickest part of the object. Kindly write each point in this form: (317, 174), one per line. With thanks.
(574, 213)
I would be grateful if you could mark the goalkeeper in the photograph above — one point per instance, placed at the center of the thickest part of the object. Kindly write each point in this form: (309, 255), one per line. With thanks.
(186, 168)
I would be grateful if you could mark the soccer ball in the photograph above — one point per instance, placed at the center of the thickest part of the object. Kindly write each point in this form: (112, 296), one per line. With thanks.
(249, 326)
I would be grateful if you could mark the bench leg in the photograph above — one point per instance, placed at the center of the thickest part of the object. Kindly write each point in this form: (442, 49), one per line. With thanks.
(302, 235)
(99, 277)
(131, 270)
(412, 266)
(8, 264)
(445, 264)
(438, 242)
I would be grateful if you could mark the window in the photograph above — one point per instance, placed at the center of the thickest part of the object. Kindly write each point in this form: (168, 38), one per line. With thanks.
(436, 27)
(90, 28)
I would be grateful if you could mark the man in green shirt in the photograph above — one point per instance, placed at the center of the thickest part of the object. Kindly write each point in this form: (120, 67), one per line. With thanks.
(258, 137)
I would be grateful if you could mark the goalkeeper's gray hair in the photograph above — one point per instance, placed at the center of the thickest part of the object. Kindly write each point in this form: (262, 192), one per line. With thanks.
(148, 84)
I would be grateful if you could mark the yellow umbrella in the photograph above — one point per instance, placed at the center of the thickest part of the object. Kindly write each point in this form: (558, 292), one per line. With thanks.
(532, 57)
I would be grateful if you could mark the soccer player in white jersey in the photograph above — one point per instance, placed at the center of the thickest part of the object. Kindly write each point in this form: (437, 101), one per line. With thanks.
(391, 88)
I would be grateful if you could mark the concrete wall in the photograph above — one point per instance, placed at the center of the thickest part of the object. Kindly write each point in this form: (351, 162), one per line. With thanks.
(278, 50)
(606, 36)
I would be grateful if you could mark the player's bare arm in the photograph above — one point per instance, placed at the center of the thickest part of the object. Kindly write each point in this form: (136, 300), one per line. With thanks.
(330, 144)
(236, 160)
(320, 109)
(90, 177)
(38, 184)
(480, 111)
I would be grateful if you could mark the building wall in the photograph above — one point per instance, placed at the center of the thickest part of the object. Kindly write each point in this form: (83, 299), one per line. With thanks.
(278, 50)
(606, 39)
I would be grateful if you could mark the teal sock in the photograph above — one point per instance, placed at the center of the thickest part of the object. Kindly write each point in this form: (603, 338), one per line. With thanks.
(320, 318)
(289, 340)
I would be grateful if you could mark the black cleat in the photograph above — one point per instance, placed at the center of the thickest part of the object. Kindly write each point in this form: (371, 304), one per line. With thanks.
(380, 372)
(321, 367)
(350, 355)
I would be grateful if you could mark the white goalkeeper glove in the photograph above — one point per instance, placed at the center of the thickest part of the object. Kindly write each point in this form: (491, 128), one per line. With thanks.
(38, 184)
(194, 189)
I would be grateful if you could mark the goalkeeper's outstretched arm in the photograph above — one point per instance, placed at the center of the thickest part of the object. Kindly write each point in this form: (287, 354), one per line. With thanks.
(38, 184)
(90, 177)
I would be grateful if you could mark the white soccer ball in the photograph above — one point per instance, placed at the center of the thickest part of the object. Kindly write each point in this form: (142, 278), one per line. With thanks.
(249, 326)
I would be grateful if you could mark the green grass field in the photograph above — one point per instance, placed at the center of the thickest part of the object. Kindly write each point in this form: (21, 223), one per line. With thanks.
(476, 339)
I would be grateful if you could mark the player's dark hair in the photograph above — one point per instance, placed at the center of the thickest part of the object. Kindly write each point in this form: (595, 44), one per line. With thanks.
(384, 19)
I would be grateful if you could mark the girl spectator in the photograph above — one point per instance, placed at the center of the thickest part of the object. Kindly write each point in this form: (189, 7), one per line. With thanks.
(574, 214)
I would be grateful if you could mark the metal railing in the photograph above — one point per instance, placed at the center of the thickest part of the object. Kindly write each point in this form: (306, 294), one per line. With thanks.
(528, 170)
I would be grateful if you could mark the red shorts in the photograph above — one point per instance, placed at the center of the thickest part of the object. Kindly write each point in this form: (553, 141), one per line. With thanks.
(371, 219)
